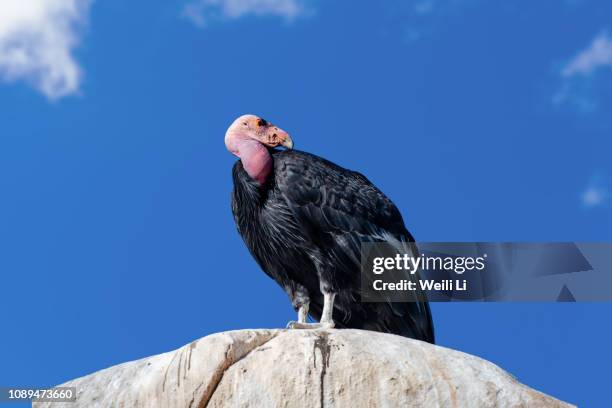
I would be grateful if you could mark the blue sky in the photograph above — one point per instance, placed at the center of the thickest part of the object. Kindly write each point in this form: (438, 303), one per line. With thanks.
(481, 121)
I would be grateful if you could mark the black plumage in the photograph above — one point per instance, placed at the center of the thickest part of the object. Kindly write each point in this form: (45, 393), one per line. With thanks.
(304, 227)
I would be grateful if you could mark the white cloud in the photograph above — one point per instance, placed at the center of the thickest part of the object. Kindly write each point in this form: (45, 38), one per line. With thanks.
(37, 38)
(597, 55)
(203, 11)
(594, 196)
(577, 95)
(578, 88)
(596, 192)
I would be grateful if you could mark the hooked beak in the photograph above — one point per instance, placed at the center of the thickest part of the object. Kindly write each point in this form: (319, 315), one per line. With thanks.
(288, 142)
(274, 136)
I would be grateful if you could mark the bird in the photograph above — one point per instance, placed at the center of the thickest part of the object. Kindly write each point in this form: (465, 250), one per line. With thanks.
(303, 219)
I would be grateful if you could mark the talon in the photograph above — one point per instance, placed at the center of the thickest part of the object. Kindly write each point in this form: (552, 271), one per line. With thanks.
(310, 326)
(303, 326)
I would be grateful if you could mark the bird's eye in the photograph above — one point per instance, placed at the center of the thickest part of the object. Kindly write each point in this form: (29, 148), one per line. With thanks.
(244, 123)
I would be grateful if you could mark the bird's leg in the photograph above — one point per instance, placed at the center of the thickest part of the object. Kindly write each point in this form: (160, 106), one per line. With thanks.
(301, 302)
(302, 316)
(303, 313)
(328, 310)
(326, 322)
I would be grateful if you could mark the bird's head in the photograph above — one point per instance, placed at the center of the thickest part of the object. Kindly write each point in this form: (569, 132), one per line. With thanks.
(250, 128)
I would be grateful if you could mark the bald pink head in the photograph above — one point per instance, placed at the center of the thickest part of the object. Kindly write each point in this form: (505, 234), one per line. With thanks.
(249, 138)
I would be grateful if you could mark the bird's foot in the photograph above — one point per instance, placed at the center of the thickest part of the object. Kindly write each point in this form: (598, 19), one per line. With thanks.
(307, 326)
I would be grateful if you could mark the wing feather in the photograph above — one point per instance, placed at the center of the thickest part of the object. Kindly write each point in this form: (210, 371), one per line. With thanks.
(340, 209)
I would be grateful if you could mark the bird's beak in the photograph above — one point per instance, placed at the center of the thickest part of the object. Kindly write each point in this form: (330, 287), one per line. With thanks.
(274, 136)
(288, 142)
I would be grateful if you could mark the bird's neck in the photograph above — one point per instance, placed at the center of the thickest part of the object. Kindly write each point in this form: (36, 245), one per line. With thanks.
(256, 159)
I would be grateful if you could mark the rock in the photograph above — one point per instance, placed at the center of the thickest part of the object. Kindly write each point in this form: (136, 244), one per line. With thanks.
(305, 368)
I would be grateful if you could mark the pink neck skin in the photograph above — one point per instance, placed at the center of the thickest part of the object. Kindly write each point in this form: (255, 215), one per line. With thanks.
(255, 157)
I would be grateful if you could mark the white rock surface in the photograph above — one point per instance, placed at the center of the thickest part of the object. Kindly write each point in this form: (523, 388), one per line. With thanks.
(305, 368)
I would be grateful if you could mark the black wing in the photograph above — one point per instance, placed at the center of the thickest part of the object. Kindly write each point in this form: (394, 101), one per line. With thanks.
(340, 209)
